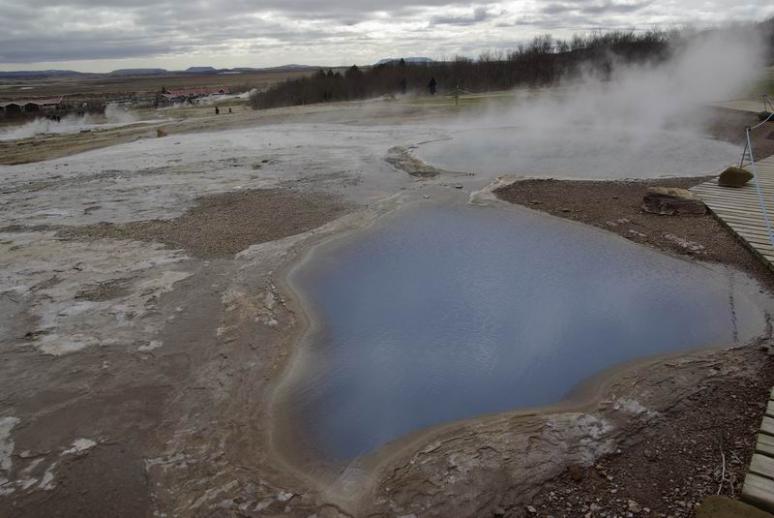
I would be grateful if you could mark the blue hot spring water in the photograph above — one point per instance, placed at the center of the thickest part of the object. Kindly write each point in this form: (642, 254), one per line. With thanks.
(444, 313)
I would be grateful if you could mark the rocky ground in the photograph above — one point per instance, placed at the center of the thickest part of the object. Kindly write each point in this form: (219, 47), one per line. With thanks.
(617, 207)
(222, 225)
(699, 447)
(144, 323)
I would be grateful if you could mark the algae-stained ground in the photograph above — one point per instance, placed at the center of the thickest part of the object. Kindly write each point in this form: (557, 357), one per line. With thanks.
(145, 321)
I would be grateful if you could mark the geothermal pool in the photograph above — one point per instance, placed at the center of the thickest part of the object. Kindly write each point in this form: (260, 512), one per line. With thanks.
(578, 152)
(447, 312)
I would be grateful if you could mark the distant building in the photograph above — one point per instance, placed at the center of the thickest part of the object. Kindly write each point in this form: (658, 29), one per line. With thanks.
(30, 106)
(190, 94)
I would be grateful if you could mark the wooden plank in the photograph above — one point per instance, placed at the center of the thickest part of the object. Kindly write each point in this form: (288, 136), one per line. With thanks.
(751, 197)
(740, 204)
(753, 234)
(748, 206)
(750, 223)
(761, 243)
(741, 219)
(763, 466)
(768, 425)
(751, 207)
(762, 237)
(765, 444)
(759, 491)
(740, 209)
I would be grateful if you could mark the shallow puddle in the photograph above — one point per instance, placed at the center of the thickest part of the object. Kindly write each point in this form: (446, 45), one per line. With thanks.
(442, 313)
(586, 153)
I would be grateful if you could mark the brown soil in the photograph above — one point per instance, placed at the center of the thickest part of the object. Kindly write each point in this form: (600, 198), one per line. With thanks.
(699, 447)
(615, 206)
(105, 291)
(222, 225)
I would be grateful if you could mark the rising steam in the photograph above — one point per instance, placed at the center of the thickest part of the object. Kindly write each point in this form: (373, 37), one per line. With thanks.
(641, 121)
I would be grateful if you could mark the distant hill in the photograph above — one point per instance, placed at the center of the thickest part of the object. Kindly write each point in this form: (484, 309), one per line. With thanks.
(139, 72)
(411, 60)
(36, 74)
(129, 72)
(201, 70)
(288, 68)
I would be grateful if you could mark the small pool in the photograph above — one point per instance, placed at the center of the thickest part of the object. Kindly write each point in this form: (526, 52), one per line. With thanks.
(446, 312)
(578, 152)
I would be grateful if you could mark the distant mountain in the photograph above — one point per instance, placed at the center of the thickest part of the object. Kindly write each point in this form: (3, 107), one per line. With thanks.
(411, 61)
(139, 72)
(36, 74)
(129, 72)
(287, 68)
(201, 70)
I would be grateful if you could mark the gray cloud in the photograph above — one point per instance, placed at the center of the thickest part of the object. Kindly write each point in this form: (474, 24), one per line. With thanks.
(269, 32)
(595, 7)
(479, 14)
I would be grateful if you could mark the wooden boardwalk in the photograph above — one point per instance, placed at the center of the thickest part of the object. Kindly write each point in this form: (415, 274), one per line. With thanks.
(759, 483)
(740, 208)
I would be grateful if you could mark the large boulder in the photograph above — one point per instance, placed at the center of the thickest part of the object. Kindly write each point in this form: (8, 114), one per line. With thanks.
(734, 177)
(670, 201)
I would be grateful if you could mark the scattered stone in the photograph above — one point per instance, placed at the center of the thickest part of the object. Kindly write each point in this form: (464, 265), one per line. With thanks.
(671, 201)
(633, 506)
(458, 186)
(531, 510)
(80, 446)
(689, 246)
(576, 473)
(161, 133)
(734, 177)
(285, 496)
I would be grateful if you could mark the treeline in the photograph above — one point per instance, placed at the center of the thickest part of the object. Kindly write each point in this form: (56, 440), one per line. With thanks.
(541, 62)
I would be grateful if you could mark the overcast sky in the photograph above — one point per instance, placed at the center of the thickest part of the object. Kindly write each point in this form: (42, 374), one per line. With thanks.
(102, 35)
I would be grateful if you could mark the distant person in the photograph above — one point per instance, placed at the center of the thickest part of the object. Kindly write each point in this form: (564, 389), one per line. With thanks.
(432, 86)
(403, 85)
(217, 111)
(229, 109)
